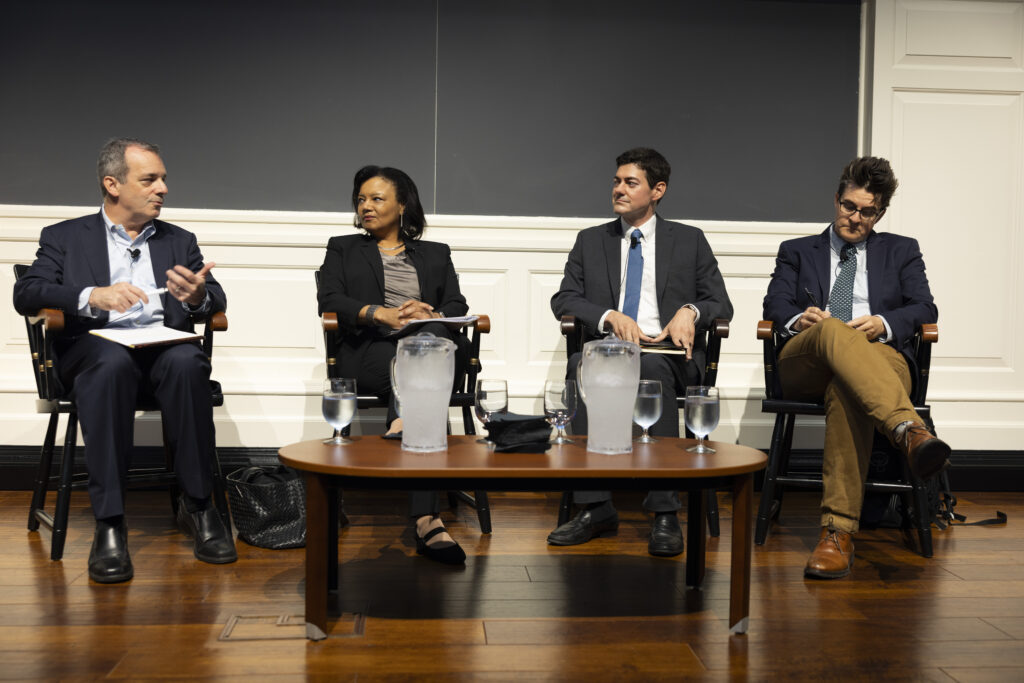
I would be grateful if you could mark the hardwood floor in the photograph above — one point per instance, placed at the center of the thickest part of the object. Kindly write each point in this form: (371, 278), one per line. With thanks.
(519, 609)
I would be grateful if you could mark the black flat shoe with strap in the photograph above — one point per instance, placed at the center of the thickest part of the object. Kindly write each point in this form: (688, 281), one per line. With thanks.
(443, 552)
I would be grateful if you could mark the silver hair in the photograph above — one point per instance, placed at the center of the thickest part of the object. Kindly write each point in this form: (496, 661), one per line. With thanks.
(112, 163)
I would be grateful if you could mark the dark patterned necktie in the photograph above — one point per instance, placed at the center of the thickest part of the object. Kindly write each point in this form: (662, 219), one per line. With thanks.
(840, 301)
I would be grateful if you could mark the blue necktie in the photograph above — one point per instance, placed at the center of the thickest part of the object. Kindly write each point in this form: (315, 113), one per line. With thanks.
(840, 301)
(634, 276)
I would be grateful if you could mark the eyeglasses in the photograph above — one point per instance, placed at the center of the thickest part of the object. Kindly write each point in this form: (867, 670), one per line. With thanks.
(867, 213)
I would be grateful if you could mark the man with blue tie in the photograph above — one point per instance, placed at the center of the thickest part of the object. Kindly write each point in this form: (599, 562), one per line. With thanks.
(122, 267)
(850, 301)
(643, 279)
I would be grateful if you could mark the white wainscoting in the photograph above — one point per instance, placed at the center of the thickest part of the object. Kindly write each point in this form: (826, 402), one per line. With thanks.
(948, 112)
(271, 360)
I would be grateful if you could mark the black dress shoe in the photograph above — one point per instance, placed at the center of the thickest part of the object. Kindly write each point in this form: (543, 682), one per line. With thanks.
(442, 551)
(666, 536)
(213, 542)
(582, 528)
(108, 559)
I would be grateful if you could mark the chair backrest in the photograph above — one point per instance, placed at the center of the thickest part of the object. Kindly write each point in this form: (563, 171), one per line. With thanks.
(36, 343)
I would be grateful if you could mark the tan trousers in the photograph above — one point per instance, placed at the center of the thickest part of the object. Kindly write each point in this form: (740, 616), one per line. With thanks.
(865, 387)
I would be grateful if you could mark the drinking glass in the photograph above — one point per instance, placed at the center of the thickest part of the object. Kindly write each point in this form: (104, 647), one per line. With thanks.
(491, 398)
(560, 405)
(339, 406)
(647, 409)
(701, 415)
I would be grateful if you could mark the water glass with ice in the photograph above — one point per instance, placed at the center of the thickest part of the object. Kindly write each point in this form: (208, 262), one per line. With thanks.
(647, 408)
(701, 415)
(339, 406)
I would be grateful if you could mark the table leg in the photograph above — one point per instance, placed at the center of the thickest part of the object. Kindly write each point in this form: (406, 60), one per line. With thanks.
(696, 537)
(739, 573)
(317, 554)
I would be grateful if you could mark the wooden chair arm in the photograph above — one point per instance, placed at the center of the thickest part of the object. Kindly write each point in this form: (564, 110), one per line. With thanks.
(218, 322)
(329, 321)
(720, 328)
(764, 330)
(930, 333)
(52, 319)
(567, 325)
(482, 324)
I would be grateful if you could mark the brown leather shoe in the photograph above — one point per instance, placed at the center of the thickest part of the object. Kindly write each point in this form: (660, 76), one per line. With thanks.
(927, 454)
(832, 557)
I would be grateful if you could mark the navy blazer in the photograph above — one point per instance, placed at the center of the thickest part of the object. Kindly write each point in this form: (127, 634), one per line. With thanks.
(897, 285)
(685, 272)
(72, 255)
(352, 276)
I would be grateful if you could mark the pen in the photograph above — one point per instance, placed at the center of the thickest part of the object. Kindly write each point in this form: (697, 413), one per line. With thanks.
(162, 290)
(810, 295)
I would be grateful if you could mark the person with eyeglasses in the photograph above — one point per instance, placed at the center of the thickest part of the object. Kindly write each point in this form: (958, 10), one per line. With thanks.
(848, 303)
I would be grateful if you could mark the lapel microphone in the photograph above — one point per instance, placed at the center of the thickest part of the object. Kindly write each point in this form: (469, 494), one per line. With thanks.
(632, 241)
(134, 253)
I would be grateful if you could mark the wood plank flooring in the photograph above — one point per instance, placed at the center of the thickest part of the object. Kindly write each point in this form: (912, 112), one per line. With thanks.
(519, 610)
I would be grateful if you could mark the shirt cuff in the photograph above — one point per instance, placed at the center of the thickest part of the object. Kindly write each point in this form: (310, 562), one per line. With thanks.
(788, 330)
(600, 323)
(203, 306)
(696, 313)
(888, 331)
(84, 309)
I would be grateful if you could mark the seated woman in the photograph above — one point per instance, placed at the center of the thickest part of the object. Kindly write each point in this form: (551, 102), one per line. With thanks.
(376, 282)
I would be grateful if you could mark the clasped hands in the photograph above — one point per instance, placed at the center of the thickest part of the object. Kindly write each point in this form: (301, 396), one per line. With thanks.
(871, 325)
(680, 329)
(396, 318)
(182, 284)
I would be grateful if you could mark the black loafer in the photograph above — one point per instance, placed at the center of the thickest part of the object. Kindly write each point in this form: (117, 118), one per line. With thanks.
(666, 536)
(213, 542)
(109, 561)
(443, 552)
(582, 528)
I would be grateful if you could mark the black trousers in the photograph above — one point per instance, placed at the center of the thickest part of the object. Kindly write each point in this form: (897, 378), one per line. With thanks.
(105, 380)
(375, 378)
(674, 376)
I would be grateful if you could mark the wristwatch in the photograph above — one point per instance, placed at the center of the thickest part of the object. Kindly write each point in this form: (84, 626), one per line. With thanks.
(370, 312)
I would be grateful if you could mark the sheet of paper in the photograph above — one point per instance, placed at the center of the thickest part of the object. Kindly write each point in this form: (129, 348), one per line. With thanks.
(456, 322)
(136, 337)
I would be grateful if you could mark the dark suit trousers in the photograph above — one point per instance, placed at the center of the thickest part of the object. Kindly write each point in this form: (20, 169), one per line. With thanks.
(106, 379)
(674, 377)
(375, 378)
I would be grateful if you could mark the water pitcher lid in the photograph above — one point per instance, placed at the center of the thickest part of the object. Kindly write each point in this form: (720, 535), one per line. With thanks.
(424, 343)
(611, 346)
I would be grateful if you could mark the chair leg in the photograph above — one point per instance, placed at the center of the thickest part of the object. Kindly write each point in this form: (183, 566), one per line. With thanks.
(467, 421)
(712, 514)
(67, 467)
(42, 482)
(565, 508)
(765, 511)
(920, 517)
(483, 511)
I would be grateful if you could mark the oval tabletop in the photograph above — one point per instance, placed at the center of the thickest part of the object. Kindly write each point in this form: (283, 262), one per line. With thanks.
(372, 456)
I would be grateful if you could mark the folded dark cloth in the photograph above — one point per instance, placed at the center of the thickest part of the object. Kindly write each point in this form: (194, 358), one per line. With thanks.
(513, 433)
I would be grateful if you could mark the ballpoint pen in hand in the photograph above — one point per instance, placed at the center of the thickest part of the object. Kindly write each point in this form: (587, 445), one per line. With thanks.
(814, 299)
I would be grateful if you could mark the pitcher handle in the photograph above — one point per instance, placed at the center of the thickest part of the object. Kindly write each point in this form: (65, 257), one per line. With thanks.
(579, 380)
(394, 387)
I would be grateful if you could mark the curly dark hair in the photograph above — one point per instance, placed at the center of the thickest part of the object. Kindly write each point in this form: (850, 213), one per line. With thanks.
(655, 167)
(874, 174)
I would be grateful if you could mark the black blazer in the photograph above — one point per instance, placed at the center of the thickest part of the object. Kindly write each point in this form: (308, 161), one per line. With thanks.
(72, 255)
(352, 276)
(685, 270)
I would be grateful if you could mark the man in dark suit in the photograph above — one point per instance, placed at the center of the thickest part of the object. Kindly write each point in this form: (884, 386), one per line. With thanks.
(855, 350)
(109, 270)
(671, 294)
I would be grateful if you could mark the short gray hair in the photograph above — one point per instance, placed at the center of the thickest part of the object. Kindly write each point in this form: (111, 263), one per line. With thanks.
(112, 163)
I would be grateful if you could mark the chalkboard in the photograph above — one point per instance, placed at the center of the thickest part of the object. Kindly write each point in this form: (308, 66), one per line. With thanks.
(497, 108)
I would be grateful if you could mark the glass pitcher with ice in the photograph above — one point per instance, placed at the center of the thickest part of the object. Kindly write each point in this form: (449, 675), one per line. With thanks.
(422, 373)
(608, 374)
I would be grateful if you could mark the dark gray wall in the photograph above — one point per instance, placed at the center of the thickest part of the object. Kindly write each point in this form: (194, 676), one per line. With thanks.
(500, 108)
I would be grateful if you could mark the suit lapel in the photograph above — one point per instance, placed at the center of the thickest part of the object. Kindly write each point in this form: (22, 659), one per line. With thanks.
(666, 241)
(822, 262)
(613, 256)
(369, 251)
(876, 254)
(95, 248)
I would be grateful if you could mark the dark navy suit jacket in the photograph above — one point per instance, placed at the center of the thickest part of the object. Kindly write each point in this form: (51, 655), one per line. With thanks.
(897, 285)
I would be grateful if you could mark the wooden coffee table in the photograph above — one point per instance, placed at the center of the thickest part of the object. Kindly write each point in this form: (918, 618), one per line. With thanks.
(374, 463)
